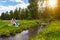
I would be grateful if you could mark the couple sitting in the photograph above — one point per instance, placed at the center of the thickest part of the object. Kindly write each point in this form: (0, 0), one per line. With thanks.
(14, 22)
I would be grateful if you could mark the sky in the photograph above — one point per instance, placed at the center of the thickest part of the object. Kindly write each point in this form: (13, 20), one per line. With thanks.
(7, 5)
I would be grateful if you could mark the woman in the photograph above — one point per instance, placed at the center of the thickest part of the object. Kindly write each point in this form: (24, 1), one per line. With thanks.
(13, 21)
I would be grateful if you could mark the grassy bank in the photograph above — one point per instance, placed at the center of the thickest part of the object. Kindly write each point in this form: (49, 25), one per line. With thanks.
(50, 32)
(11, 30)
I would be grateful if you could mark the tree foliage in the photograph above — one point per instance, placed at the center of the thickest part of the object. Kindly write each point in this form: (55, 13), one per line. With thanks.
(33, 7)
(17, 14)
(32, 12)
(29, 13)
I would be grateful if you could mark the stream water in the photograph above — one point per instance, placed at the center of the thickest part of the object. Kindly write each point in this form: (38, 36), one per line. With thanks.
(24, 35)
(20, 36)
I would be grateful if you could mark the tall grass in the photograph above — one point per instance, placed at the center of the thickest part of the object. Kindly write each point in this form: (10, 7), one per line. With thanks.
(50, 32)
(11, 30)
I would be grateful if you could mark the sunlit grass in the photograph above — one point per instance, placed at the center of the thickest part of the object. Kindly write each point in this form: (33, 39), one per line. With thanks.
(50, 32)
(24, 24)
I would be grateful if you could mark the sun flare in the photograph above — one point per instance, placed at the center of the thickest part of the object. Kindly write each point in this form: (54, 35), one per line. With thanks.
(52, 3)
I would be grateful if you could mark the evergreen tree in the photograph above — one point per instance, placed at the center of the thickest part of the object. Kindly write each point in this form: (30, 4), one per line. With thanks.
(19, 11)
(27, 14)
(33, 7)
(11, 13)
(16, 14)
(3, 16)
(7, 17)
(22, 15)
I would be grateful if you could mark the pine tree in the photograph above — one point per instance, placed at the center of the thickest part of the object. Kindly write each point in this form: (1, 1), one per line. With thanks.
(33, 7)
(7, 16)
(11, 13)
(19, 11)
(16, 14)
(22, 15)
(3, 16)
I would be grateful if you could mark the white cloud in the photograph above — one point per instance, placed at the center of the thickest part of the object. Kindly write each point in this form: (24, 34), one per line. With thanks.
(8, 8)
(22, 5)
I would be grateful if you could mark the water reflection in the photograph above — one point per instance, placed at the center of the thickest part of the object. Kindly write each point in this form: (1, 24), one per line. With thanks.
(24, 34)
(20, 36)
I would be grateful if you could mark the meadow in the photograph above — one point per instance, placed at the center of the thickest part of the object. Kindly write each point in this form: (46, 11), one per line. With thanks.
(6, 30)
(50, 32)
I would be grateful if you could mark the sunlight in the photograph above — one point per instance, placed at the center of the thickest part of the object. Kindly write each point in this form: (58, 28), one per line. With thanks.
(52, 3)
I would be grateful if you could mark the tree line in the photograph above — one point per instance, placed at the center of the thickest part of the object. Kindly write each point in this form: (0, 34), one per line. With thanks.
(17, 14)
(31, 12)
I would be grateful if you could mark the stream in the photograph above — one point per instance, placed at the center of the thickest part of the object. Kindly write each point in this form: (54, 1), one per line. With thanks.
(20, 36)
(24, 35)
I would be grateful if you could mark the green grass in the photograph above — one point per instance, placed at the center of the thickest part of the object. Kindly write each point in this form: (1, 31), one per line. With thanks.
(50, 32)
(24, 24)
